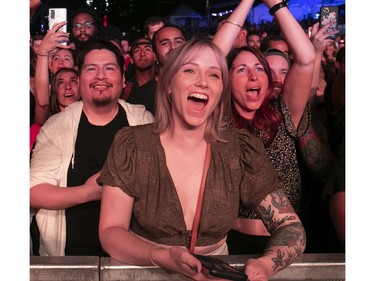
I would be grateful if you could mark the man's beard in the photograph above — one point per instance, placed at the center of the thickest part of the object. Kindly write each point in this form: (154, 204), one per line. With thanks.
(276, 92)
(102, 101)
(81, 45)
(144, 66)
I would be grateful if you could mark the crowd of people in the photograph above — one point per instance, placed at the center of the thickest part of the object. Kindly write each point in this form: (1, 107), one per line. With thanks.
(152, 149)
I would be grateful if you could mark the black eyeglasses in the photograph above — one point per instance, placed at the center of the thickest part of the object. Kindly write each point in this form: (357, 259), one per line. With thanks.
(85, 25)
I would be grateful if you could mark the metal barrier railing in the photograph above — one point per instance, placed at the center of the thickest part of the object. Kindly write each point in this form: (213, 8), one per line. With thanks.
(317, 267)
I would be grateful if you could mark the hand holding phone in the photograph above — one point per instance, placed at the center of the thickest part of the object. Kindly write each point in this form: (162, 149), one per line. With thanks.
(55, 16)
(217, 268)
(329, 14)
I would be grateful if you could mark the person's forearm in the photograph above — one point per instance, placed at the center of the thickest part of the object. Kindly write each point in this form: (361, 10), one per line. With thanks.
(297, 85)
(317, 66)
(285, 246)
(288, 238)
(124, 246)
(298, 42)
(337, 213)
(41, 114)
(42, 80)
(51, 197)
(228, 32)
(315, 79)
(316, 154)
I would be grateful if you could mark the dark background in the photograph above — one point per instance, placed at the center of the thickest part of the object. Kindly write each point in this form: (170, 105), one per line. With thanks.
(126, 14)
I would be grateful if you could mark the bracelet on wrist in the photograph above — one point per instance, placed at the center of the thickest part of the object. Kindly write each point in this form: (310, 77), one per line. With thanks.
(39, 54)
(234, 23)
(150, 254)
(277, 7)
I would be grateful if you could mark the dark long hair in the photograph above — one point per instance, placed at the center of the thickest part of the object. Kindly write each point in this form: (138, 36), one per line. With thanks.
(266, 118)
(53, 97)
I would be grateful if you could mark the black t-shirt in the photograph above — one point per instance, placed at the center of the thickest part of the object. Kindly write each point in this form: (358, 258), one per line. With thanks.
(91, 148)
(144, 94)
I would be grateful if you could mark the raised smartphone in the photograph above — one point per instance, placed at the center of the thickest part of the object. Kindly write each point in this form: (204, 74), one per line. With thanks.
(57, 15)
(329, 14)
(217, 268)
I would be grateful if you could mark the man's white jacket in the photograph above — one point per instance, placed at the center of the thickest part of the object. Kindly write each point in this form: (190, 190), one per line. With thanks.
(54, 149)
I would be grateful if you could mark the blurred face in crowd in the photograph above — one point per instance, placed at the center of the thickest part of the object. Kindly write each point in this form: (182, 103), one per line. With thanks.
(116, 43)
(67, 88)
(280, 45)
(330, 51)
(152, 29)
(143, 55)
(340, 40)
(279, 69)
(83, 27)
(125, 48)
(100, 80)
(61, 59)
(166, 40)
(249, 84)
(36, 44)
(254, 41)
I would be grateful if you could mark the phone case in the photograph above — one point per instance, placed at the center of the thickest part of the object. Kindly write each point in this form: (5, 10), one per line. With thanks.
(329, 14)
(218, 268)
(57, 15)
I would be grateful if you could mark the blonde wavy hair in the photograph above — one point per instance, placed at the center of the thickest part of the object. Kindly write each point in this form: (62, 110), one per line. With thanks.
(175, 61)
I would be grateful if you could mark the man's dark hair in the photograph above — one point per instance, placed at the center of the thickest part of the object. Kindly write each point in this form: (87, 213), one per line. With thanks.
(89, 11)
(276, 52)
(37, 37)
(110, 32)
(266, 42)
(152, 21)
(165, 26)
(257, 33)
(139, 41)
(99, 45)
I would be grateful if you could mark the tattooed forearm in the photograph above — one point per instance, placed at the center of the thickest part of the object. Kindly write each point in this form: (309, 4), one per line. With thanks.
(315, 153)
(291, 235)
(290, 242)
(281, 203)
(288, 238)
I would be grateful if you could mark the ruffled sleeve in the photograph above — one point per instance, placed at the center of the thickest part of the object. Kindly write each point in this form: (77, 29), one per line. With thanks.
(120, 166)
(259, 176)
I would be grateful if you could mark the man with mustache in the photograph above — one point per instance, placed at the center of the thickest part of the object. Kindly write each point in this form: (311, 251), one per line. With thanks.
(83, 25)
(165, 40)
(279, 64)
(70, 151)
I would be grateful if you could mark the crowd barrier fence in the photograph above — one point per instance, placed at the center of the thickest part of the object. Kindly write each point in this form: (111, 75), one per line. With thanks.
(317, 267)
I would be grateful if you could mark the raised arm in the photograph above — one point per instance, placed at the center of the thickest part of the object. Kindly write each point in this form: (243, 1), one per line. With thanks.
(288, 238)
(48, 44)
(315, 151)
(297, 85)
(228, 32)
(319, 41)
